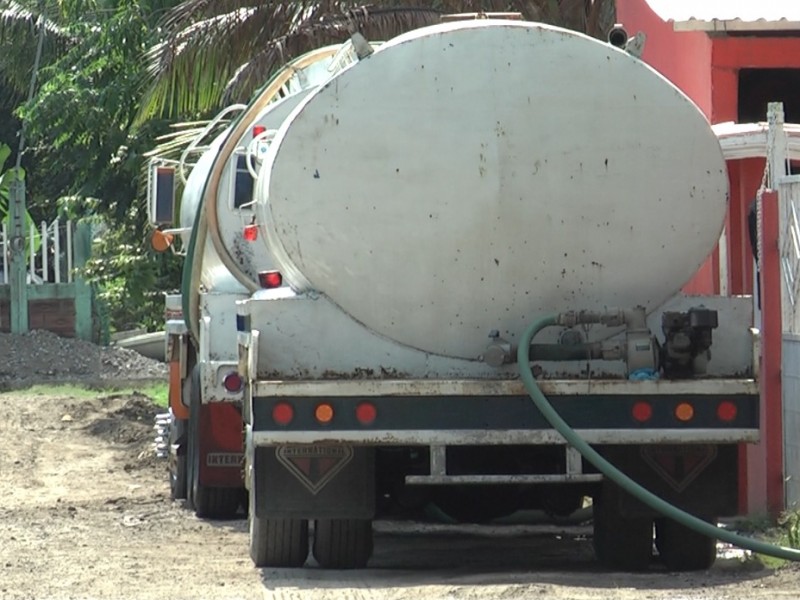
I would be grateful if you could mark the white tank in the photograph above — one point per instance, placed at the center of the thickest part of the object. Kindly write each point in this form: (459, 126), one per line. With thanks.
(474, 176)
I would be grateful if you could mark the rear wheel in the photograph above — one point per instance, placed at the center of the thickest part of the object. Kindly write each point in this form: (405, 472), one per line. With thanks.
(277, 542)
(208, 502)
(342, 543)
(620, 542)
(682, 549)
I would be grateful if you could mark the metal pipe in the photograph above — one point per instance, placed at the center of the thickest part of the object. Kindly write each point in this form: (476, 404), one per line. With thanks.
(566, 352)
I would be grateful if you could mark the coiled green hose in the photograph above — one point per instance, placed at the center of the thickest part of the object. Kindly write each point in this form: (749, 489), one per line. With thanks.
(617, 476)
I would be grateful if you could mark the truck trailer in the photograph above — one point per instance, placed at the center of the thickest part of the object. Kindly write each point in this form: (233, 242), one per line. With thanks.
(413, 214)
(203, 430)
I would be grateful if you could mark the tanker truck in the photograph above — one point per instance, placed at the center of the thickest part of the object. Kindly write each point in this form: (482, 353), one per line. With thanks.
(202, 433)
(421, 209)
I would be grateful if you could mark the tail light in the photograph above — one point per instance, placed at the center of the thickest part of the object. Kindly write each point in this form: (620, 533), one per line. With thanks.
(366, 413)
(282, 413)
(258, 130)
(250, 233)
(642, 411)
(727, 411)
(233, 382)
(270, 279)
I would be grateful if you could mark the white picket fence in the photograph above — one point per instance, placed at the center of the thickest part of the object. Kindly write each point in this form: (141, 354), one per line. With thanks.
(52, 262)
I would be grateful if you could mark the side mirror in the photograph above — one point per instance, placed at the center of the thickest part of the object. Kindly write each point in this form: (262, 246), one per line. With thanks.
(161, 192)
(160, 241)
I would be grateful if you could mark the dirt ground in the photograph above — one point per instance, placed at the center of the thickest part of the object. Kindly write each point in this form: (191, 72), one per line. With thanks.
(85, 513)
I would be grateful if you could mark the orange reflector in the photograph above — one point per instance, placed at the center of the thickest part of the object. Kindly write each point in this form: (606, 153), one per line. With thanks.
(324, 413)
(282, 413)
(684, 411)
(642, 411)
(366, 413)
(160, 241)
(727, 411)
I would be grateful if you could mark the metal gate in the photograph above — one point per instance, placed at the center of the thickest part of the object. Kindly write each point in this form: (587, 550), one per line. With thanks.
(789, 199)
(791, 419)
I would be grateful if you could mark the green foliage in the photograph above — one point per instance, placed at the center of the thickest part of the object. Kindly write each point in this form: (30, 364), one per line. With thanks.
(7, 179)
(132, 278)
(790, 522)
(783, 531)
(78, 123)
(82, 151)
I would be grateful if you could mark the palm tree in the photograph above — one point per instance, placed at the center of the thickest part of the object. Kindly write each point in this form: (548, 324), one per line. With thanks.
(216, 52)
(19, 21)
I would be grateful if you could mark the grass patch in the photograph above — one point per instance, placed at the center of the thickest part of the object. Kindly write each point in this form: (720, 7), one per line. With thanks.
(785, 531)
(157, 392)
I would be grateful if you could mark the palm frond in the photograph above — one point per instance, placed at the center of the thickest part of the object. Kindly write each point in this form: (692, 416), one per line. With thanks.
(190, 68)
(18, 37)
(374, 24)
(16, 20)
(220, 51)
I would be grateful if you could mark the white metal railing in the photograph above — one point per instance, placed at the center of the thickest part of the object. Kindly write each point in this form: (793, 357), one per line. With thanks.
(789, 194)
(49, 253)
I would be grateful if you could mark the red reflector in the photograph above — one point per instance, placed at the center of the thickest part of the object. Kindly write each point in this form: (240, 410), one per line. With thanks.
(258, 130)
(270, 279)
(642, 411)
(366, 413)
(250, 233)
(727, 411)
(282, 413)
(233, 382)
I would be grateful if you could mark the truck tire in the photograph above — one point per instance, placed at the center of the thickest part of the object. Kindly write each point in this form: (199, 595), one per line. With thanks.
(177, 459)
(342, 543)
(208, 502)
(682, 549)
(621, 543)
(277, 542)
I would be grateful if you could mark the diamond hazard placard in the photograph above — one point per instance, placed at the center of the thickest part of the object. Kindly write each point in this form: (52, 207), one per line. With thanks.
(679, 465)
(314, 465)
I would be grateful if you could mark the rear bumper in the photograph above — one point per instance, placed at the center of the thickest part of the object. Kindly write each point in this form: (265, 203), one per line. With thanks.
(473, 412)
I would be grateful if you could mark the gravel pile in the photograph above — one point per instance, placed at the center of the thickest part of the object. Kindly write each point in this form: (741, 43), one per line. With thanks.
(44, 357)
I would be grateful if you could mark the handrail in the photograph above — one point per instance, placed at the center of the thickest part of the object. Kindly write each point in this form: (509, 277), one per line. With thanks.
(194, 144)
(749, 140)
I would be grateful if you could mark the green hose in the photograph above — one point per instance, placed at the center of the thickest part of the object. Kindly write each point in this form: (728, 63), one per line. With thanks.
(617, 476)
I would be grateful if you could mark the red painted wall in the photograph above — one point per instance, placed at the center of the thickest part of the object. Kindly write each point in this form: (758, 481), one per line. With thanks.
(685, 61)
(707, 70)
(767, 458)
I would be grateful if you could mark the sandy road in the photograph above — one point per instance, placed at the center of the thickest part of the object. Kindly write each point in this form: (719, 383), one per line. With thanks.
(85, 513)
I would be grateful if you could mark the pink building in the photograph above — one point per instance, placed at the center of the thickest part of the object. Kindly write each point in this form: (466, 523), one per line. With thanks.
(732, 58)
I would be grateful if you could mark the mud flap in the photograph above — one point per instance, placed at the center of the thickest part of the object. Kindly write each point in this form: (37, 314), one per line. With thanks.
(221, 448)
(699, 478)
(317, 481)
